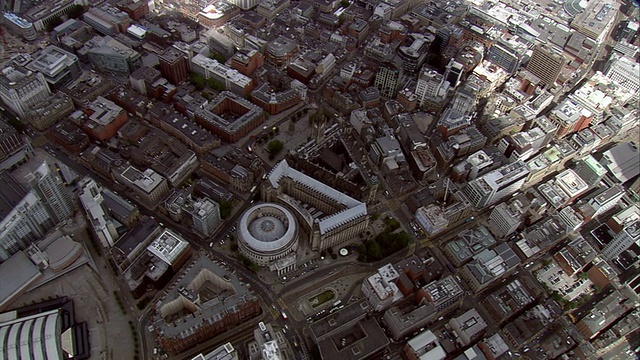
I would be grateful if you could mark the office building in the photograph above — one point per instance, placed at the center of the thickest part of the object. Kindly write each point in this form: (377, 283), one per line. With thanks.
(281, 52)
(174, 66)
(431, 88)
(488, 266)
(625, 72)
(508, 300)
(48, 185)
(58, 66)
(350, 322)
(380, 289)
(569, 116)
(468, 244)
(469, 327)
(424, 346)
(622, 161)
(629, 236)
(507, 55)
(571, 184)
(19, 26)
(104, 228)
(231, 79)
(175, 327)
(402, 321)
(590, 170)
(330, 216)
(15, 148)
(104, 119)
(245, 4)
(443, 294)
(27, 221)
(546, 63)
(497, 184)
(46, 12)
(108, 54)
(388, 79)
(596, 20)
(229, 116)
(148, 186)
(246, 61)
(505, 219)
(432, 219)
(107, 19)
(22, 89)
(205, 216)
(271, 8)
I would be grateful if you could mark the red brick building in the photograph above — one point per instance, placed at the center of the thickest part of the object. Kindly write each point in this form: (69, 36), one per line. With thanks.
(247, 61)
(174, 66)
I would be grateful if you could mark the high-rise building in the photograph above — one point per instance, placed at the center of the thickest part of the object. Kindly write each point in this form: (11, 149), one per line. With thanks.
(507, 55)
(625, 72)
(19, 26)
(431, 87)
(388, 80)
(107, 19)
(22, 89)
(174, 65)
(58, 66)
(24, 217)
(546, 63)
(497, 184)
(245, 4)
(206, 216)
(108, 54)
(90, 194)
(622, 241)
(49, 186)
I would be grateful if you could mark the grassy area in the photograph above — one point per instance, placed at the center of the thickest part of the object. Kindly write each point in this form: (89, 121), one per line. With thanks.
(322, 298)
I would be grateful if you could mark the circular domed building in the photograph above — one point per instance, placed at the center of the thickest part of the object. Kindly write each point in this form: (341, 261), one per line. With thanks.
(267, 232)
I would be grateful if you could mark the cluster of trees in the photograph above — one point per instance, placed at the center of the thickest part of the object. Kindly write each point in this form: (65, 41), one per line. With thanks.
(247, 263)
(385, 244)
(225, 209)
(274, 147)
(74, 12)
(200, 82)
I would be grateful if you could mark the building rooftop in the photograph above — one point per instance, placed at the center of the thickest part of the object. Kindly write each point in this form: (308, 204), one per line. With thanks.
(146, 181)
(441, 291)
(571, 183)
(168, 246)
(470, 242)
(205, 289)
(353, 208)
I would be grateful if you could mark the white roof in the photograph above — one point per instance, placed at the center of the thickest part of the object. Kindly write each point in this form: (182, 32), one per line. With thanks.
(354, 208)
(168, 246)
(32, 337)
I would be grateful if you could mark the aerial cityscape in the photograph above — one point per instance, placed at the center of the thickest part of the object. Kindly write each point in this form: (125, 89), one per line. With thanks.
(319, 179)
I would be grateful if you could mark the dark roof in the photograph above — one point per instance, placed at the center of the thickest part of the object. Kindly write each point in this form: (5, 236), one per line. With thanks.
(11, 193)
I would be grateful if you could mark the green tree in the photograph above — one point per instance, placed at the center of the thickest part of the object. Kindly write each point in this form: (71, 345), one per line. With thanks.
(17, 124)
(197, 80)
(218, 57)
(583, 276)
(373, 251)
(75, 11)
(274, 147)
(53, 23)
(215, 84)
(344, 3)
(225, 209)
